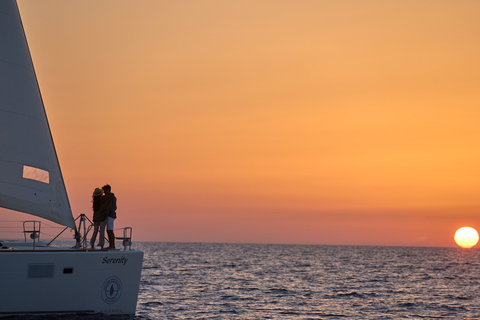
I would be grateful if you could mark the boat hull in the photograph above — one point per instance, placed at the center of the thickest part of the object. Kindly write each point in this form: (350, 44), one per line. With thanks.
(69, 281)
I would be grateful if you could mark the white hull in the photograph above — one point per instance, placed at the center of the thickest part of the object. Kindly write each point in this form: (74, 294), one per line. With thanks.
(48, 280)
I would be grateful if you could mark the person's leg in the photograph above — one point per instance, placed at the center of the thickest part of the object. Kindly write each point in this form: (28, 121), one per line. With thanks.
(94, 235)
(101, 240)
(111, 235)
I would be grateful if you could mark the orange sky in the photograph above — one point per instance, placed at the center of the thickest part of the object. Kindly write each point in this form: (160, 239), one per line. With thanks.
(322, 122)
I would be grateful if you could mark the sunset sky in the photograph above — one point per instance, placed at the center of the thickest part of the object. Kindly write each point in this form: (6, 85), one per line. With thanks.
(303, 122)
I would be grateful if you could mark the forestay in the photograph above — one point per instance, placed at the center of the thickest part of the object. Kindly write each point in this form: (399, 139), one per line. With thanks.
(30, 176)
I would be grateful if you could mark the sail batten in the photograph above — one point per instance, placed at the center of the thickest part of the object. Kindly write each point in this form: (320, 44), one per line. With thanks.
(30, 177)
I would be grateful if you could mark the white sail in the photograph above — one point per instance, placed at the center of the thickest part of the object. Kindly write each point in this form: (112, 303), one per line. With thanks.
(30, 176)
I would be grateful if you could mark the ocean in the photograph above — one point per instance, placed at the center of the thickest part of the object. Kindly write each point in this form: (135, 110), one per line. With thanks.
(258, 281)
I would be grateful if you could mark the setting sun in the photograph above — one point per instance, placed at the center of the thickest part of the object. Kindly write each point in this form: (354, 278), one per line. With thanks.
(466, 237)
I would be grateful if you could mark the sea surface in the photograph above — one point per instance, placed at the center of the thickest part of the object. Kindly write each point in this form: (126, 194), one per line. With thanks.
(249, 281)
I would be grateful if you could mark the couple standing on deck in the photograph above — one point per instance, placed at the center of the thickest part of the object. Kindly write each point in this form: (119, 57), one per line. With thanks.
(104, 213)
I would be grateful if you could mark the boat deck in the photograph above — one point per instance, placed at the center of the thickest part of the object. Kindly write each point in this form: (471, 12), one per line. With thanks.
(17, 246)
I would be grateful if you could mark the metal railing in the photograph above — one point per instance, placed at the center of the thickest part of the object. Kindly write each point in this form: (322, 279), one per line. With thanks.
(32, 228)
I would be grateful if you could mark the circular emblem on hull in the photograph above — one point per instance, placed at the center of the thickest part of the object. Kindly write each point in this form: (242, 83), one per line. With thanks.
(112, 290)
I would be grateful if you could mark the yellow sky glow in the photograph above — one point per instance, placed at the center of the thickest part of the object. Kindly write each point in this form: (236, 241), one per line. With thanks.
(336, 122)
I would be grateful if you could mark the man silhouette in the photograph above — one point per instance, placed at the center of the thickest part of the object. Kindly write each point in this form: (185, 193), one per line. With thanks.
(112, 214)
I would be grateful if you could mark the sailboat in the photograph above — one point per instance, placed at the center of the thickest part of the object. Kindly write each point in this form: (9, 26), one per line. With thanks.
(35, 277)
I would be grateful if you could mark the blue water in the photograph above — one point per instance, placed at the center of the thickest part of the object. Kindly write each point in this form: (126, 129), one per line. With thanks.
(236, 281)
(247, 281)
